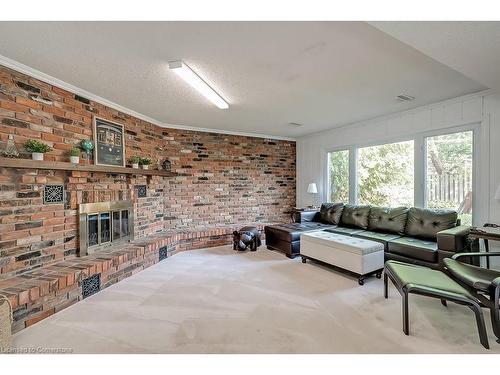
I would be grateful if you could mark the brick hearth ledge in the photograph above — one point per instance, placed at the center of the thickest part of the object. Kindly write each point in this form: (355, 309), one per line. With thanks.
(39, 293)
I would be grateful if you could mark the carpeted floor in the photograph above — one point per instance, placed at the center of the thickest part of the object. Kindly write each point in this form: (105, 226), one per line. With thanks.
(221, 301)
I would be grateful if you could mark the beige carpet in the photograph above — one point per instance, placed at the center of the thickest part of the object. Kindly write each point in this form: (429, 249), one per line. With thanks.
(221, 301)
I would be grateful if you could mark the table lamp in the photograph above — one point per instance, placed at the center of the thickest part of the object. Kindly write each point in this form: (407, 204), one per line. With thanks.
(312, 189)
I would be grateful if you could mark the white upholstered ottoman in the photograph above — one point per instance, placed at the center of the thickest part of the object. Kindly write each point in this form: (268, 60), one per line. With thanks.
(358, 256)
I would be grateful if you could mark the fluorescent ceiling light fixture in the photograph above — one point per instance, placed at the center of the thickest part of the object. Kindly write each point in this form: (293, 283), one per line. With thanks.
(182, 70)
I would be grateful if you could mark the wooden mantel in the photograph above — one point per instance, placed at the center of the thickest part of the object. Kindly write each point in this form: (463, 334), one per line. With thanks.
(64, 166)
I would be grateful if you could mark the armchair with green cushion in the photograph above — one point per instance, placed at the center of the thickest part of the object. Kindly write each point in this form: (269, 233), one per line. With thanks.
(483, 282)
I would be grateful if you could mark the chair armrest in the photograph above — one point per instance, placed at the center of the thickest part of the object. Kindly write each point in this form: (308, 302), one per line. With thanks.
(482, 254)
(496, 282)
(306, 216)
(453, 239)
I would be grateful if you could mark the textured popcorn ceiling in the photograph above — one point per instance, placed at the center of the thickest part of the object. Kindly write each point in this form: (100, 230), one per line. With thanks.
(471, 48)
(320, 74)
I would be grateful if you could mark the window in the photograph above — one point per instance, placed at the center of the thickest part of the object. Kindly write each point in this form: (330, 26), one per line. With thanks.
(385, 174)
(430, 170)
(448, 173)
(338, 176)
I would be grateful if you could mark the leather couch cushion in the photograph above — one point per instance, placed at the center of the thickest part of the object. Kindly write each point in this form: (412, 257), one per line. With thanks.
(331, 213)
(383, 238)
(291, 232)
(425, 223)
(386, 219)
(414, 248)
(355, 216)
(344, 230)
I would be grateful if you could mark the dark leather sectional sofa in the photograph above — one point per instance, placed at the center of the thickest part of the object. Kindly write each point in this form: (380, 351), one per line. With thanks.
(412, 235)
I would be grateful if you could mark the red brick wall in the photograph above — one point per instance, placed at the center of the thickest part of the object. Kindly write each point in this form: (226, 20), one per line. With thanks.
(225, 179)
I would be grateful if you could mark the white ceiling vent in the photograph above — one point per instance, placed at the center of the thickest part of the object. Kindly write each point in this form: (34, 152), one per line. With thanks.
(405, 98)
(295, 124)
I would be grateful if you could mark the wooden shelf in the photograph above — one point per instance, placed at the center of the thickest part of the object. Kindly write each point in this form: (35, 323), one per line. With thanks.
(64, 166)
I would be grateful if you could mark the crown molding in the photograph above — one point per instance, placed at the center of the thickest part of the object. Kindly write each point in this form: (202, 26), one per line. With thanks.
(21, 68)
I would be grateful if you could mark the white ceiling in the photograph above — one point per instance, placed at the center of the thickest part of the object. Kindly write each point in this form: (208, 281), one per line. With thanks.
(320, 74)
(472, 48)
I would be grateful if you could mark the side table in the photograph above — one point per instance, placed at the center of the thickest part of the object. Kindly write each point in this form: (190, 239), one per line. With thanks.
(489, 232)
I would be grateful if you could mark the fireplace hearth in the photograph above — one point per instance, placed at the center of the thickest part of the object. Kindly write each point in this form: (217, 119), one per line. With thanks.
(105, 224)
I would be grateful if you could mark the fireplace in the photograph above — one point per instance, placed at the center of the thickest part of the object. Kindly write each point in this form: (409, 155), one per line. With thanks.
(105, 224)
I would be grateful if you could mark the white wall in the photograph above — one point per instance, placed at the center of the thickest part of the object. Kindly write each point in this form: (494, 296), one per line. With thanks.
(482, 109)
(492, 116)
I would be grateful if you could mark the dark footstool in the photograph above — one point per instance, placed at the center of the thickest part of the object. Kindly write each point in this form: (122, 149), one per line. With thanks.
(246, 237)
(408, 278)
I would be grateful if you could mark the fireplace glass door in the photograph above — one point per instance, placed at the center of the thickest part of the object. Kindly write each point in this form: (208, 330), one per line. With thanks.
(93, 230)
(116, 225)
(103, 224)
(125, 224)
(105, 227)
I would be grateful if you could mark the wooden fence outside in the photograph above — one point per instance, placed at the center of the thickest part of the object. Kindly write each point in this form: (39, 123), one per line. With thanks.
(450, 187)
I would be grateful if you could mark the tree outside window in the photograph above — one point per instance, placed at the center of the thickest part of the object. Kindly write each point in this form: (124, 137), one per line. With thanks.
(339, 176)
(385, 174)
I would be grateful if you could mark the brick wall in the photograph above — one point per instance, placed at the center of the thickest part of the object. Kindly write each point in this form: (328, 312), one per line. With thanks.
(225, 179)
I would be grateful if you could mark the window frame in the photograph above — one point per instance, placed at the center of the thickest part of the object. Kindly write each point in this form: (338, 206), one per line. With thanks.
(328, 197)
(480, 134)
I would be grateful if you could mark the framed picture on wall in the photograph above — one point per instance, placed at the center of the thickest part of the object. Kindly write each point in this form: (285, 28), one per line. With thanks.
(109, 143)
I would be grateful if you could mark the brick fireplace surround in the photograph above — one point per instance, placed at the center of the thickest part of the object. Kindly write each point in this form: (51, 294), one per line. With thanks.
(223, 182)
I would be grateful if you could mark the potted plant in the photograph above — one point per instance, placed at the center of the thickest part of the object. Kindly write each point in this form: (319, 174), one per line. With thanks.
(145, 163)
(36, 148)
(134, 160)
(75, 155)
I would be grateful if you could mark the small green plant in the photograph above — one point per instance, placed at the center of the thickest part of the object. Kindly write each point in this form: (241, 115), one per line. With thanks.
(33, 146)
(134, 160)
(75, 151)
(145, 161)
